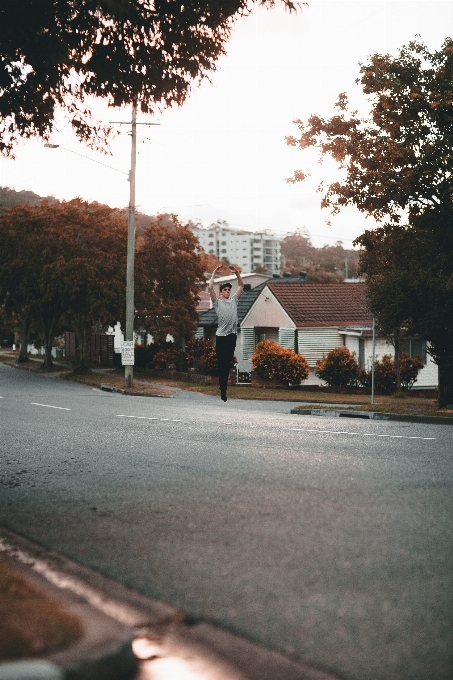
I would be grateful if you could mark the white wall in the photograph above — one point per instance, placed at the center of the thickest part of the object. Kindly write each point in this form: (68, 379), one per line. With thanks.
(428, 376)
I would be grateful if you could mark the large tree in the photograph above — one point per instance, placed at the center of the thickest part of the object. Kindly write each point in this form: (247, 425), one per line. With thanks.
(398, 168)
(56, 54)
(62, 262)
(169, 267)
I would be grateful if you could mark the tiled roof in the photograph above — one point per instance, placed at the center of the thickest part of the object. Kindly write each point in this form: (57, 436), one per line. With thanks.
(322, 304)
(204, 302)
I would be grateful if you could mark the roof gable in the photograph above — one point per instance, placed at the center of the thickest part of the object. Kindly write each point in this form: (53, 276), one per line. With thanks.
(267, 311)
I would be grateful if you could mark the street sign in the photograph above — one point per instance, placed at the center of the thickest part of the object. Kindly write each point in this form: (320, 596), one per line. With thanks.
(127, 353)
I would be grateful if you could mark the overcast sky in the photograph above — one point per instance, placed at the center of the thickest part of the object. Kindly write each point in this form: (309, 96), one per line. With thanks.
(223, 154)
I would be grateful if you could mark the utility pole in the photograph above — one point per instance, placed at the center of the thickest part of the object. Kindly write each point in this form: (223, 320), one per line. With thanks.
(127, 351)
(129, 370)
(373, 360)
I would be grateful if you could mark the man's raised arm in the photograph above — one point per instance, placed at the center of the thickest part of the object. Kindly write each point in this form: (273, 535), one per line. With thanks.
(239, 278)
(212, 294)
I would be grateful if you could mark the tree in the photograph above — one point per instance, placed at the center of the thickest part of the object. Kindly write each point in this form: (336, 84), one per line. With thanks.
(169, 267)
(326, 264)
(57, 54)
(398, 168)
(65, 260)
(399, 160)
(409, 274)
(96, 238)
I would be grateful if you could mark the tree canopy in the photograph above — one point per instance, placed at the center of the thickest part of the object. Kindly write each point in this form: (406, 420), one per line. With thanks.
(169, 266)
(63, 266)
(398, 167)
(62, 262)
(56, 54)
(324, 265)
(398, 161)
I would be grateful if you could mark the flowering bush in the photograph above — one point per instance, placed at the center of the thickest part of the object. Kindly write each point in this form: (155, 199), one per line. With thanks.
(339, 368)
(385, 374)
(410, 367)
(271, 361)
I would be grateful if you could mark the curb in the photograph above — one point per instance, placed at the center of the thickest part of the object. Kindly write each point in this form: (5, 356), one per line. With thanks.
(373, 415)
(161, 631)
(105, 650)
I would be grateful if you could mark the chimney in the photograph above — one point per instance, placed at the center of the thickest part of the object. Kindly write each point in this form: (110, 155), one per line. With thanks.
(287, 275)
(303, 275)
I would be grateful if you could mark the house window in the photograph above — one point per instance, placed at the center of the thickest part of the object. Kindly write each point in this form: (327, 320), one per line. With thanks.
(362, 352)
(414, 347)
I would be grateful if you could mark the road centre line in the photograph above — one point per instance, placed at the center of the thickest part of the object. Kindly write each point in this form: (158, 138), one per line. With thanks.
(302, 429)
(147, 418)
(360, 434)
(62, 408)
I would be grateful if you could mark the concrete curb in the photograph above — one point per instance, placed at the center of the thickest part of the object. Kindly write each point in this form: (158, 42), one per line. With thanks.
(168, 633)
(372, 415)
(105, 650)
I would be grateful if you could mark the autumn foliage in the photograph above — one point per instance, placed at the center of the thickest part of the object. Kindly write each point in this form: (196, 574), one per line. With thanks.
(338, 368)
(63, 267)
(271, 361)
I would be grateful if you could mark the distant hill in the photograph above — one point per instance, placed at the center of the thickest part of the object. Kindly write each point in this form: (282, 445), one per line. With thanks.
(9, 198)
(326, 264)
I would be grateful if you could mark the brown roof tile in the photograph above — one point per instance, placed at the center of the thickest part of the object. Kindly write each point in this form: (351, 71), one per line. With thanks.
(204, 301)
(323, 304)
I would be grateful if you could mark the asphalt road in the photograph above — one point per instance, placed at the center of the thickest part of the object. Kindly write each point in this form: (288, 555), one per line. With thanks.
(329, 539)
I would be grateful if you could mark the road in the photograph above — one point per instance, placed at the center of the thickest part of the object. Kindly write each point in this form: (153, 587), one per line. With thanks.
(328, 539)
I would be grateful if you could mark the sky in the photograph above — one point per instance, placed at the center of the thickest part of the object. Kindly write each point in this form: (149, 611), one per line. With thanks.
(223, 155)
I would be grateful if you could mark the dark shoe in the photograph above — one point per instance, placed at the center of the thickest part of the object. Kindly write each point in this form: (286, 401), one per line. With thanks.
(223, 395)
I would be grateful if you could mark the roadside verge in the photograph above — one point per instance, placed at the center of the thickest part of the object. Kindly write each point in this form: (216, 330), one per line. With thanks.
(372, 415)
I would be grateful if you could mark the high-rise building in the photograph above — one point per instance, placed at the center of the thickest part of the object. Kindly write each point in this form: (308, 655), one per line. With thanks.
(248, 249)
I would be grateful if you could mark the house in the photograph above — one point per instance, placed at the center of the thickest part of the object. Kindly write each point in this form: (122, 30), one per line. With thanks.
(312, 319)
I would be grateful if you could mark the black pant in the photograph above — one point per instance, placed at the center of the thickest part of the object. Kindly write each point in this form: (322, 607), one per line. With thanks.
(225, 346)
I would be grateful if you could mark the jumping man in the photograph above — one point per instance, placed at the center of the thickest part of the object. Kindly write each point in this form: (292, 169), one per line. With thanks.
(226, 307)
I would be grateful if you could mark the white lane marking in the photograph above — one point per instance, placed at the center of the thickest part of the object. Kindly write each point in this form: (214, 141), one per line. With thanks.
(138, 417)
(360, 434)
(62, 408)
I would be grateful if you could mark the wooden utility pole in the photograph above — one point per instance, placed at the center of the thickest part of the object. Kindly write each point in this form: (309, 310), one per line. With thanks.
(130, 310)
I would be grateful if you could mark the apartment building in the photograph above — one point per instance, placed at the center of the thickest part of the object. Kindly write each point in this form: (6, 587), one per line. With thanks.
(246, 248)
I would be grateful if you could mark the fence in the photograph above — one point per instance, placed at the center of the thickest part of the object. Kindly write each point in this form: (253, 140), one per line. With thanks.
(101, 348)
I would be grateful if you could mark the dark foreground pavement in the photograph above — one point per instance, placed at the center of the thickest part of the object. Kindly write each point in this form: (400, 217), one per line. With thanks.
(330, 541)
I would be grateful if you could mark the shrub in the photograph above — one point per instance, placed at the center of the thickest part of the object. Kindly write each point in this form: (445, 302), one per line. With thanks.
(201, 355)
(144, 354)
(271, 361)
(410, 367)
(385, 374)
(170, 355)
(339, 368)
